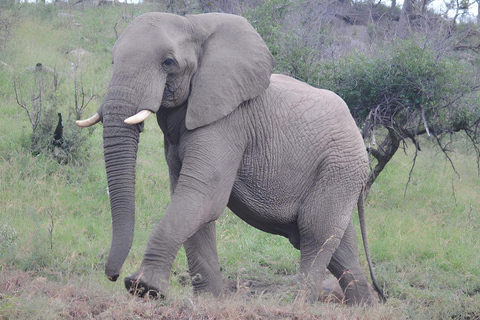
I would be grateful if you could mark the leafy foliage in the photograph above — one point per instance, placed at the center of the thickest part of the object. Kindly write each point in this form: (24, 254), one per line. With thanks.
(37, 92)
(268, 18)
(395, 83)
(409, 88)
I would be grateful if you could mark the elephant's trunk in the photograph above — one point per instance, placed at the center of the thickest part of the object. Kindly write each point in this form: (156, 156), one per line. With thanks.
(120, 143)
(128, 92)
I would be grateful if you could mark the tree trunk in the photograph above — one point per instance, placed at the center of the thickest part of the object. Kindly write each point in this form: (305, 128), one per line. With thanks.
(404, 24)
(383, 154)
(478, 11)
(392, 10)
(424, 6)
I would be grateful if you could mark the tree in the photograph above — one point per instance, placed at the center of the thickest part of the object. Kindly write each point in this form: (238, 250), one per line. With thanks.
(393, 7)
(406, 17)
(478, 11)
(407, 89)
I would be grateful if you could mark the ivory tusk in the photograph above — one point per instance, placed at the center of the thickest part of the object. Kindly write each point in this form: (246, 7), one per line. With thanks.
(88, 122)
(139, 117)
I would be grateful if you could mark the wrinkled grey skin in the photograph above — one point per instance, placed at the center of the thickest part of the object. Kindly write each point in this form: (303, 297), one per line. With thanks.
(283, 156)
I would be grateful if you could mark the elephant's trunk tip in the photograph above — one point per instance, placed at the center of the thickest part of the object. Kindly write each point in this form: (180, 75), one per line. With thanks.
(112, 274)
(113, 278)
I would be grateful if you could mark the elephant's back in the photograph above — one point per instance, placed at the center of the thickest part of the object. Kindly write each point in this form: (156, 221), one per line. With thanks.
(313, 102)
(296, 133)
(317, 115)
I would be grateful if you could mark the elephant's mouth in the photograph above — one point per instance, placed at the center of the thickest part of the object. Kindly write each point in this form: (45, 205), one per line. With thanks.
(169, 99)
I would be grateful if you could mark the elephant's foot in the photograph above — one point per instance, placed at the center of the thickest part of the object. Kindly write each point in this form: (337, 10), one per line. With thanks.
(138, 287)
(141, 284)
(331, 291)
(211, 284)
(357, 293)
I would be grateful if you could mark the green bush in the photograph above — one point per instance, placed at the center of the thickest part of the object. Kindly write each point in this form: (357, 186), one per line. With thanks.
(37, 93)
(399, 80)
(268, 18)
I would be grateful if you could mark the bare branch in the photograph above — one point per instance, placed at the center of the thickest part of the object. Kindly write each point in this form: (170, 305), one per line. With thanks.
(79, 92)
(445, 151)
(383, 154)
(425, 122)
(473, 138)
(35, 110)
(410, 174)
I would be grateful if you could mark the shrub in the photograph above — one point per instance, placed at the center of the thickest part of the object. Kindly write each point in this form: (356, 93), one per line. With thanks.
(51, 134)
(410, 89)
(395, 83)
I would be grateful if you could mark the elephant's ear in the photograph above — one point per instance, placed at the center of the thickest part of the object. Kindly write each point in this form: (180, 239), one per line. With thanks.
(234, 66)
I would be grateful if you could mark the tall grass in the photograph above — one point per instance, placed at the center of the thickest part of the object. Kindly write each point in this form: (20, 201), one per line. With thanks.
(55, 227)
(426, 244)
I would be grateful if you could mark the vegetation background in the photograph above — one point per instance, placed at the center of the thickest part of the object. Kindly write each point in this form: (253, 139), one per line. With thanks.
(423, 221)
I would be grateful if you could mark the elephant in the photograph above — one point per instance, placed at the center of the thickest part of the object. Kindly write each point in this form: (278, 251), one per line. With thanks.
(285, 157)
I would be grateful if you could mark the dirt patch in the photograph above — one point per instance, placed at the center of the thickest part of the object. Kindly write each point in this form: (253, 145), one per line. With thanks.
(23, 293)
(286, 285)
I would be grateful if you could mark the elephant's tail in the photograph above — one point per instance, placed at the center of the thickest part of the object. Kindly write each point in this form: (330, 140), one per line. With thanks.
(363, 228)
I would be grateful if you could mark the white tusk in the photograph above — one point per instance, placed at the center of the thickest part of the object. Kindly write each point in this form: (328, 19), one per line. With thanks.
(139, 117)
(88, 122)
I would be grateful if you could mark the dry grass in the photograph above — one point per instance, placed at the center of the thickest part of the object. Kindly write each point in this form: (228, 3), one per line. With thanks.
(24, 295)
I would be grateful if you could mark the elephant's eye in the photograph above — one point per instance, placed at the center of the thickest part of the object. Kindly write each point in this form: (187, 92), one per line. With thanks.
(168, 62)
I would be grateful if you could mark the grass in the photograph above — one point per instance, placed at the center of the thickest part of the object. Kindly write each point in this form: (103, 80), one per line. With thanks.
(427, 243)
(55, 227)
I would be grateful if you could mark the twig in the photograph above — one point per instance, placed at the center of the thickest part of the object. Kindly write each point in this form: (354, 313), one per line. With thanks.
(473, 137)
(79, 92)
(33, 113)
(425, 122)
(444, 150)
(50, 228)
(410, 174)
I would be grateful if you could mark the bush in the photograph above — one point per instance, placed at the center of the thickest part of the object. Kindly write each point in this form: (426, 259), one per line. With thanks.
(52, 134)
(408, 88)
(405, 84)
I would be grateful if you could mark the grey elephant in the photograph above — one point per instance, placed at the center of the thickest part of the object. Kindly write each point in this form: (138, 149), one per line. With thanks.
(283, 156)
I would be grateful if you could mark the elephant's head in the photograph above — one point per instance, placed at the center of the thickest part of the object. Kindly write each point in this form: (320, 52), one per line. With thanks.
(211, 63)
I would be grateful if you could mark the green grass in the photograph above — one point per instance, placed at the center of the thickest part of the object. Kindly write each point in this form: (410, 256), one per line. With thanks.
(425, 246)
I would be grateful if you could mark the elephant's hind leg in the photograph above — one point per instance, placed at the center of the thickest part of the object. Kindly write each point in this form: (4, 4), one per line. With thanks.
(204, 268)
(322, 222)
(318, 241)
(345, 266)
(314, 259)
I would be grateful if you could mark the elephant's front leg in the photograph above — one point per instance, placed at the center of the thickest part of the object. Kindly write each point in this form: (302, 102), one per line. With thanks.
(204, 268)
(201, 193)
(186, 215)
(152, 277)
